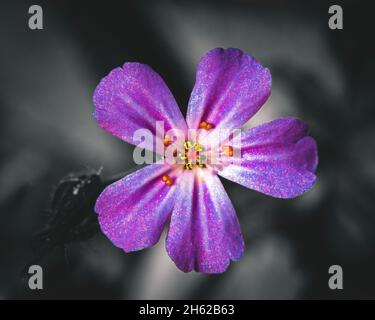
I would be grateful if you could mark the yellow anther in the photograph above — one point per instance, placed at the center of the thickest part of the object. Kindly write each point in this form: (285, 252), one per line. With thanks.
(205, 125)
(167, 140)
(189, 166)
(197, 147)
(167, 180)
(187, 145)
(228, 150)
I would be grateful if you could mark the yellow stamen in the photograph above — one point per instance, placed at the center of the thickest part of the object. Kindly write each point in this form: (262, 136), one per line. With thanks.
(228, 150)
(167, 140)
(187, 145)
(167, 180)
(197, 147)
(189, 166)
(205, 125)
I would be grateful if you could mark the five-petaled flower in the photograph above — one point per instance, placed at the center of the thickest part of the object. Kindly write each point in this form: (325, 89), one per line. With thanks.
(277, 158)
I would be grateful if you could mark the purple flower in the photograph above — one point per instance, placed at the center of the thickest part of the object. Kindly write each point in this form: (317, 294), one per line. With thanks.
(277, 158)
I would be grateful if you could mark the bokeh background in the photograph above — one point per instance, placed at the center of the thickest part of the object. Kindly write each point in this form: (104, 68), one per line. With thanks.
(47, 131)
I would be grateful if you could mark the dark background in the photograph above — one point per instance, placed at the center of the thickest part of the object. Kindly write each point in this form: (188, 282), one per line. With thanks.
(47, 131)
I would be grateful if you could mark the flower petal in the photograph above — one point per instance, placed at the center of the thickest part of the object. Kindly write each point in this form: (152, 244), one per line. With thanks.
(230, 88)
(134, 210)
(204, 232)
(135, 97)
(278, 159)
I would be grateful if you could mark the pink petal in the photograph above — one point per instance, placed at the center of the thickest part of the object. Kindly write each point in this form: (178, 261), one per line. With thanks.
(230, 88)
(204, 232)
(278, 159)
(134, 210)
(135, 97)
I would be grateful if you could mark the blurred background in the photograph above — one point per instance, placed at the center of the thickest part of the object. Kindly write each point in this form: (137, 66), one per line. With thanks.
(47, 78)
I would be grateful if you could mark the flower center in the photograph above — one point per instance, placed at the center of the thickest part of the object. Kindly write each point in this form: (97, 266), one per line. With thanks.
(192, 155)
